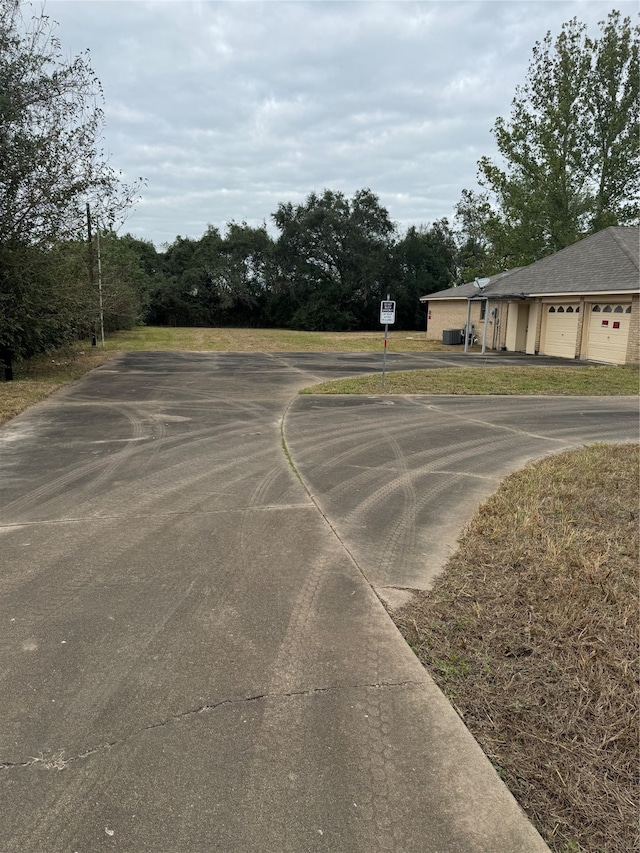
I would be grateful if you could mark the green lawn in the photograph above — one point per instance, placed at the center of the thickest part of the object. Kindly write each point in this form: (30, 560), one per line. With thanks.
(587, 380)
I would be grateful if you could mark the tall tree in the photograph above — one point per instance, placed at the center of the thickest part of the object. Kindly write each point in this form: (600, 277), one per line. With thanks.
(175, 299)
(570, 149)
(479, 237)
(613, 105)
(245, 275)
(424, 261)
(333, 260)
(124, 283)
(50, 135)
(51, 164)
(217, 280)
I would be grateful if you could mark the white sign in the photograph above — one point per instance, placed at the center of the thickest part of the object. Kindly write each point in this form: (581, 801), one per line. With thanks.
(387, 312)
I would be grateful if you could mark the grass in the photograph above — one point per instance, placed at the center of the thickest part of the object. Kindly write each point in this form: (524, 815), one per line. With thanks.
(532, 632)
(268, 340)
(592, 379)
(38, 378)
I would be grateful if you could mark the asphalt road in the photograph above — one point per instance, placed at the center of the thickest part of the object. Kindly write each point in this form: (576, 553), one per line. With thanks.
(193, 656)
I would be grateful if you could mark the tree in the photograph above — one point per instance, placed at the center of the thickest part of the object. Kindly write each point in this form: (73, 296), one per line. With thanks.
(51, 165)
(216, 280)
(424, 262)
(333, 261)
(570, 149)
(245, 276)
(174, 299)
(127, 279)
(613, 105)
(477, 224)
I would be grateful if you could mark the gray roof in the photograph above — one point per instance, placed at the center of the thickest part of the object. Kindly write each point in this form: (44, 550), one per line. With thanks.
(464, 291)
(604, 262)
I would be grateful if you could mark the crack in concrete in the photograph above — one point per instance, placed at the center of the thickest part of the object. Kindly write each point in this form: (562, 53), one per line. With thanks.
(58, 761)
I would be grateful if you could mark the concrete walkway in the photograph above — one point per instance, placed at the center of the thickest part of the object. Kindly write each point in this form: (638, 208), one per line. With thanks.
(193, 656)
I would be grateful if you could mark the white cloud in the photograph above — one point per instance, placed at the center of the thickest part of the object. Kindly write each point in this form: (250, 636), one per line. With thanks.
(231, 107)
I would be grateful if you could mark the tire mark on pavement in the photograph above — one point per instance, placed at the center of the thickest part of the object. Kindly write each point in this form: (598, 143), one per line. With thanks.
(108, 465)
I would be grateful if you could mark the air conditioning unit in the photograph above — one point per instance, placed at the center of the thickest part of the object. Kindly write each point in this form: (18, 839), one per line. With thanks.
(450, 337)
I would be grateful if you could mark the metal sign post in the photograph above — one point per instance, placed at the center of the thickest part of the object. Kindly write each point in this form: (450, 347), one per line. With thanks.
(387, 317)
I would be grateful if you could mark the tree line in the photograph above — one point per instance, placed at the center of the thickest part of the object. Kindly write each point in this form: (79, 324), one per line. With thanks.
(569, 165)
(331, 262)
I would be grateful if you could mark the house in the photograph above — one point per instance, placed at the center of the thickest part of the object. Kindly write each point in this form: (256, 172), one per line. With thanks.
(581, 302)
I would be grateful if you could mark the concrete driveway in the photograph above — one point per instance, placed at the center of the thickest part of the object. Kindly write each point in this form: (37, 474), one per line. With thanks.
(193, 657)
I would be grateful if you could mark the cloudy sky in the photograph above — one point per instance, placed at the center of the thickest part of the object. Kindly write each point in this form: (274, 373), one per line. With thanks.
(229, 108)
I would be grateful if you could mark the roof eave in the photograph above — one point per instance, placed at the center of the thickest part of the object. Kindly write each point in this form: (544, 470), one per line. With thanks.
(585, 293)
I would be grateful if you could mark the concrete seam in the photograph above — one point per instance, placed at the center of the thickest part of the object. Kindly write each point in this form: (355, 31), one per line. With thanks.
(317, 505)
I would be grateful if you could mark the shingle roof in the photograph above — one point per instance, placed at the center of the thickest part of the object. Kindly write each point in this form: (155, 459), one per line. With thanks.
(464, 291)
(603, 262)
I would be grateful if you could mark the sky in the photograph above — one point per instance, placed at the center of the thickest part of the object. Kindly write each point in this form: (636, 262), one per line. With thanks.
(228, 109)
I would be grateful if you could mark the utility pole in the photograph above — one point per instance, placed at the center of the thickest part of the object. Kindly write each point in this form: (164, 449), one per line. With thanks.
(91, 272)
(100, 288)
(90, 246)
(90, 263)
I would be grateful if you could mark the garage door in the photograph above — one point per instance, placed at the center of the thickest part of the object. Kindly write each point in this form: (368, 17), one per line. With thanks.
(608, 332)
(561, 330)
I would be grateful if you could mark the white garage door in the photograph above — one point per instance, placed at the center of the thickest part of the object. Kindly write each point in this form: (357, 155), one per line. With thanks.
(561, 330)
(608, 332)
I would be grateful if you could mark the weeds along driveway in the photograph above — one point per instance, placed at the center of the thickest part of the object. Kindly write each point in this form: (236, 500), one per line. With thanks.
(192, 661)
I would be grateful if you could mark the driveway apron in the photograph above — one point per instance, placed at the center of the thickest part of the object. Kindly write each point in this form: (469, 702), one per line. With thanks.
(193, 651)
(402, 475)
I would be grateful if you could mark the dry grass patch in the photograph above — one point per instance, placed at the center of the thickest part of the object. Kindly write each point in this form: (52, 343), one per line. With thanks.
(40, 377)
(268, 340)
(532, 632)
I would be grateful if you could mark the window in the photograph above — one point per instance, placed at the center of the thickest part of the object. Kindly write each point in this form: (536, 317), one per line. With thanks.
(552, 310)
(618, 309)
(628, 311)
(570, 309)
(607, 309)
(560, 309)
(596, 308)
(483, 309)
